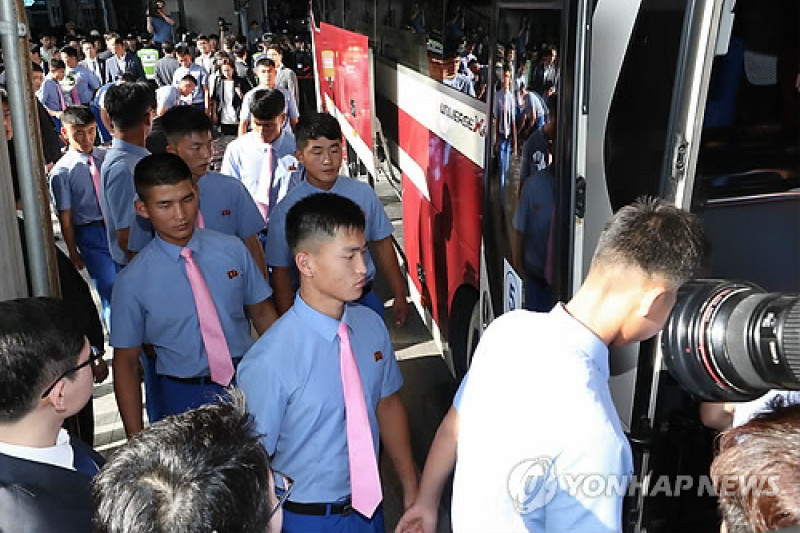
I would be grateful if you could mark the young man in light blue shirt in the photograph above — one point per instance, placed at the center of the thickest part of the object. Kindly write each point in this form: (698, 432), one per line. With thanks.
(292, 375)
(130, 106)
(535, 409)
(200, 95)
(319, 150)
(224, 203)
(245, 158)
(154, 301)
(85, 80)
(78, 205)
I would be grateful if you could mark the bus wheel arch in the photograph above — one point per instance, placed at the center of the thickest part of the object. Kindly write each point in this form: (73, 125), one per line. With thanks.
(465, 328)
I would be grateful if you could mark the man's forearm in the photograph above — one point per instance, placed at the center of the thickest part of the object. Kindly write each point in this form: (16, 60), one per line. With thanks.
(253, 246)
(68, 232)
(122, 239)
(262, 315)
(282, 289)
(387, 260)
(441, 459)
(128, 389)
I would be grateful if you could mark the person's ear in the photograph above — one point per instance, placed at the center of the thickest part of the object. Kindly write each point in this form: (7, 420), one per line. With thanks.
(141, 209)
(57, 396)
(304, 262)
(651, 300)
(172, 149)
(299, 155)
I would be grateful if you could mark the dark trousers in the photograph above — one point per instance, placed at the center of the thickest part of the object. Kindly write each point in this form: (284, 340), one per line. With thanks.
(177, 397)
(334, 523)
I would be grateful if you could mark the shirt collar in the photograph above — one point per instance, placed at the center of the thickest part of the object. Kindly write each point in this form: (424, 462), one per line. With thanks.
(325, 326)
(173, 251)
(125, 146)
(583, 339)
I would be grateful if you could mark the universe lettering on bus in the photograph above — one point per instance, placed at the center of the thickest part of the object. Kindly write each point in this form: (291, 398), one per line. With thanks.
(472, 123)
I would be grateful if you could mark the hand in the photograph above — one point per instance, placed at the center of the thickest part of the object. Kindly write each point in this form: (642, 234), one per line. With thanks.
(77, 261)
(400, 310)
(100, 370)
(418, 519)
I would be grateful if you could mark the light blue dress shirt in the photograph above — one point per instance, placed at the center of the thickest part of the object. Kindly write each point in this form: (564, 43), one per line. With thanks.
(290, 107)
(48, 94)
(200, 74)
(117, 192)
(538, 391)
(226, 206)
(292, 380)
(378, 224)
(245, 156)
(152, 301)
(72, 186)
(86, 83)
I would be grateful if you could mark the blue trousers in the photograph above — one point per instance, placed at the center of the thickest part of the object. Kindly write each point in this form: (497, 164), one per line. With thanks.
(152, 387)
(92, 243)
(333, 523)
(504, 149)
(176, 397)
(538, 295)
(102, 132)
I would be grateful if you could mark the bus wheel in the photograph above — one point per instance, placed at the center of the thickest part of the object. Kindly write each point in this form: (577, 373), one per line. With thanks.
(465, 330)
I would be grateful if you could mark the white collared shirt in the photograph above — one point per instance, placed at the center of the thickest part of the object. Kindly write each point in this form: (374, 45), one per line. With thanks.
(60, 455)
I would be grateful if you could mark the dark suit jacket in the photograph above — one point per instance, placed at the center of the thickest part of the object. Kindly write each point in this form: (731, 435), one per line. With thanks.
(132, 64)
(41, 498)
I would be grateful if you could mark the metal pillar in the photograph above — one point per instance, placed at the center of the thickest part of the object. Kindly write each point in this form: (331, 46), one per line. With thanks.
(42, 264)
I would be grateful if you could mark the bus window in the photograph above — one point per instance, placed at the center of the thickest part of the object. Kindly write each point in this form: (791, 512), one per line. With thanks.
(521, 177)
(635, 141)
(748, 170)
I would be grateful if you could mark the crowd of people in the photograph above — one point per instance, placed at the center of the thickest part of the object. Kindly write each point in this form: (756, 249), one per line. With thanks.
(240, 309)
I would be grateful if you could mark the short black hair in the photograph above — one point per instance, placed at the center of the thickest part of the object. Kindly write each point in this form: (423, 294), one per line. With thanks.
(267, 104)
(159, 169)
(202, 37)
(190, 78)
(78, 115)
(40, 339)
(274, 46)
(70, 51)
(57, 64)
(182, 50)
(128, 77)
(36, 68)
(655, 237)
(315, 126)
(199, 471)
(265, 62)
(167, 47)
(239, 50)
(128, 103)
(181, 121)
(321, 215)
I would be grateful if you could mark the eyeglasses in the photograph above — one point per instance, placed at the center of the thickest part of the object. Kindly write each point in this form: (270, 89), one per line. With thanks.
(94, 356)
(283, 488)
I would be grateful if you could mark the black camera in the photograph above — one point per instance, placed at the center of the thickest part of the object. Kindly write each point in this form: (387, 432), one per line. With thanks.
(223, 25)
(732, 341)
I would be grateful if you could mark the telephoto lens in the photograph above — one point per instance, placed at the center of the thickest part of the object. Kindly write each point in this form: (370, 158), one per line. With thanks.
(732, 341)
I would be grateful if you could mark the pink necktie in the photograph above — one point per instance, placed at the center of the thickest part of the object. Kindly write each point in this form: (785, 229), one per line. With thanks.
(219, 357)
(95, 173)
(76, 100)
(264, 183)
(61, 97)
(365, 483)
(199, 222)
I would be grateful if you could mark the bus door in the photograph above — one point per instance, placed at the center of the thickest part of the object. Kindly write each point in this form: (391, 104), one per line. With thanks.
(537, 96)
(732, 158)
